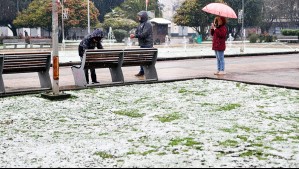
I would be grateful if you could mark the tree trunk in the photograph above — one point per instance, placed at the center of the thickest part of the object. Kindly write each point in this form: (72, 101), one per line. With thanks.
(13, 29)
(238, 32)
(266, 27)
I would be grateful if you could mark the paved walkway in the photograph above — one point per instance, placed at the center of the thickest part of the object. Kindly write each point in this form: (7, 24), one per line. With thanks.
(271, 65)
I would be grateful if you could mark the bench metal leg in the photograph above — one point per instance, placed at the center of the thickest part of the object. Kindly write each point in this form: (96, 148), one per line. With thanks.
(45, 80)
(116, 74)
(150, 72)
(79, 77)
(15, 46)
(2, 88)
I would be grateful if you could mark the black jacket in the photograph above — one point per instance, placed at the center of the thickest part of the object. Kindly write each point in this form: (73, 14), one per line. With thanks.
(91, 41)
(144, 31)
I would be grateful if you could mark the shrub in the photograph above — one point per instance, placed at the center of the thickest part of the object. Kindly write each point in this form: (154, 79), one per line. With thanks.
(253, 38)
(120, 34)
(266, 38)
(119, 23)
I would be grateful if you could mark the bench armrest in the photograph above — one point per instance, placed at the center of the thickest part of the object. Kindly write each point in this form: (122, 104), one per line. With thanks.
(76, 66)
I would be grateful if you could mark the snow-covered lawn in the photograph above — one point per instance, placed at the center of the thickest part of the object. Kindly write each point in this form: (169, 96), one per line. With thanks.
(196, 123)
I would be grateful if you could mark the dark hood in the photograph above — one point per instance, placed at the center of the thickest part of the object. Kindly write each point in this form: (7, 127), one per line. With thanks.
(97, 33)
(143, 15)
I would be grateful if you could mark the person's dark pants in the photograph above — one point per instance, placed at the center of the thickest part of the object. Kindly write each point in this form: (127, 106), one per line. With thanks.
(141, 67)
(92, 70)
(92, 73)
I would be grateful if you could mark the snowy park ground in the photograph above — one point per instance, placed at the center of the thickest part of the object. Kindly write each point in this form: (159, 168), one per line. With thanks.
(196, 123)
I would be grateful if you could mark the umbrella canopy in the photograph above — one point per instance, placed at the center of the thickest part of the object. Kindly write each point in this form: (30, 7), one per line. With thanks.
(220, 9)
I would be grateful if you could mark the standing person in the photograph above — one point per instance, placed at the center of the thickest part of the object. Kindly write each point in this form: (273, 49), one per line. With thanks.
(144, 33)
(219, 32)
(26, 34)
(90, 42)
(27, 39)
(74, 36)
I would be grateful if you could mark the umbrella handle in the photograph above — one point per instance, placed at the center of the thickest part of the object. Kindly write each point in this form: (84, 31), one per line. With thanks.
(212, 26)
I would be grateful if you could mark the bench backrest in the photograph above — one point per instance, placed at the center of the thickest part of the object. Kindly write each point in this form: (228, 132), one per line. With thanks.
(40, 41)
(14, 41)
(26, 62)
(288, 37)
(102, 58)
(140, 57)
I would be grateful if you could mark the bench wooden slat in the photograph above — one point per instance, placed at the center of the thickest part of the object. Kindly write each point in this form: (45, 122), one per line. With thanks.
(288, 38)
(22, 70)
(134, 57)
(136, 63)
(20, 64)
(22, 59)
(22, 55)
(14, 42)
(102, 57)
(27, 57)
(27, 53)
(40, 42)
(105, 65)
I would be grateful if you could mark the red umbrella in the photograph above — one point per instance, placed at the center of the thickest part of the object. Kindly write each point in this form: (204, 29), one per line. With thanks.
(220, 9)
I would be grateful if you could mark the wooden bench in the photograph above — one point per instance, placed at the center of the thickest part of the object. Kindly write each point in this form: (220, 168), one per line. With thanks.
(287, 39)
(145, 57)
(115, 60)
(40, 42)
(100, 58)
(40, 62)
(15, 42)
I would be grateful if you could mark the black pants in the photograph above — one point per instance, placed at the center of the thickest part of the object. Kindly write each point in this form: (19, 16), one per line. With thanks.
(92, 71)
(141, 67)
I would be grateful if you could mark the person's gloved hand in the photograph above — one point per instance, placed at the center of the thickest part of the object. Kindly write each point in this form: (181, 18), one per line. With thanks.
(132, 36)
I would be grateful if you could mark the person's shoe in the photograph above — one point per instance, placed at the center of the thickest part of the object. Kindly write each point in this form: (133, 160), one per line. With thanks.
(221, 73)
(95, 82)
(216, 73)
(140, 74)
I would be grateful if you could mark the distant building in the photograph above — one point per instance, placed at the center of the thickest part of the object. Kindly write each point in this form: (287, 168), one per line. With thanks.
(170, 7)
(160, 29)
(5, 31)
(32, 32)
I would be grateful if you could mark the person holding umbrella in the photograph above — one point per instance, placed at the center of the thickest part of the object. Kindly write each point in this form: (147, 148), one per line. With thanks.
(219, 32)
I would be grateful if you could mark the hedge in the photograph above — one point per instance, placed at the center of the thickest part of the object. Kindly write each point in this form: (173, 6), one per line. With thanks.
(290, 32)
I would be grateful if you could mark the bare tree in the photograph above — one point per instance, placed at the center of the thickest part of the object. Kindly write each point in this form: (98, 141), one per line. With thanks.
(269, 14)
(290, 13)
(285, 13)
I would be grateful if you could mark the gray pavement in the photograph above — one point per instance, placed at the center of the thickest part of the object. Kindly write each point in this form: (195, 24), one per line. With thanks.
(274, 64)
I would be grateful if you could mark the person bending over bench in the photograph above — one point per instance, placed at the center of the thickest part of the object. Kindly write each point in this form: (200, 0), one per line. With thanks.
(90, 42)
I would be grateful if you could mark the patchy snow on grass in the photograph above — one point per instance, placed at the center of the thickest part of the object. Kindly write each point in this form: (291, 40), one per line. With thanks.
(196, 123)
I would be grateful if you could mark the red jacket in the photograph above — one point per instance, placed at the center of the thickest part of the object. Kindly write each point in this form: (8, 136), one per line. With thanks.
(219, 38)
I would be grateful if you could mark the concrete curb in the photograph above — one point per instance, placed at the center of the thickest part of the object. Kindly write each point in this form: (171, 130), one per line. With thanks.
(202, 57)
(228, 55)
(72, 88)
